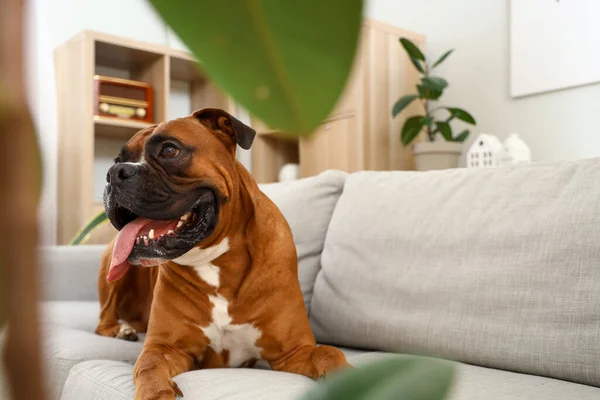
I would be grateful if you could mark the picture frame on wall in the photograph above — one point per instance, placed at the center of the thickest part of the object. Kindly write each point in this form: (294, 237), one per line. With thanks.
(553, 45)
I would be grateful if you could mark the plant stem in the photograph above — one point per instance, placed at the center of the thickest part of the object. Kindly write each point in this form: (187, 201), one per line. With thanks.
(425, 102)
(430, 132)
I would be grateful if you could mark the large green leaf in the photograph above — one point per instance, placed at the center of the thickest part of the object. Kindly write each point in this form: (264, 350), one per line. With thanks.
(396, 377)
(403, 103)
(444, 129)
(462, 115)
(442, 58)
(411, 129)
(412, 50)
(95, 222)
(286, 62)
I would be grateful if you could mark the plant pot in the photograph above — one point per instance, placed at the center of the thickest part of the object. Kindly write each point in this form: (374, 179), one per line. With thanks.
(437, 155)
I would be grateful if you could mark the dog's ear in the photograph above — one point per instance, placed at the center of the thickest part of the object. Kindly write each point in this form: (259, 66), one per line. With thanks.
(219, 120)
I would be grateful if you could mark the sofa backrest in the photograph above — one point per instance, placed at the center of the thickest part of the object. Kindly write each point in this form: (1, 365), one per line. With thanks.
(307, 204)
(70, 272)
(495, 267)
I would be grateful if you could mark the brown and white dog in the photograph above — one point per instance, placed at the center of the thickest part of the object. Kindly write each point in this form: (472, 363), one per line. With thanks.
(226, 290)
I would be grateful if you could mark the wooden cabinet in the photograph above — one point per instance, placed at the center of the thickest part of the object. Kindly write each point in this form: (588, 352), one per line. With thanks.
(333, 145)
(360, 133)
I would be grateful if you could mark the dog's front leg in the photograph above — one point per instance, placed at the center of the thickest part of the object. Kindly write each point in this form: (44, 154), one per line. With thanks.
(154, 369)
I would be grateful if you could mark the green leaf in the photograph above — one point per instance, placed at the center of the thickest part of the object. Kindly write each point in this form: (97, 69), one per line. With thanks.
(461, 137)
(286, 62)
(433, 82)
(428, 93)
(442, 58)
(445, 130)
(417, 65)
(396, 377)
(95, 222)
(462, 115)
(411, 129)
(403, 103)
(412, 50)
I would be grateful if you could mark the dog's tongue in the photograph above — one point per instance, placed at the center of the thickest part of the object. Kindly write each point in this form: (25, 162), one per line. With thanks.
(123, 246)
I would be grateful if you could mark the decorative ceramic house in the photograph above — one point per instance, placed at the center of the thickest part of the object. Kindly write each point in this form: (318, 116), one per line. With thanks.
(485, 152)
(515, 150)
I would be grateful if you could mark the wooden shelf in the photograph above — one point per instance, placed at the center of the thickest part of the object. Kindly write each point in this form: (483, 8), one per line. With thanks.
(117, 128)
(118, 56)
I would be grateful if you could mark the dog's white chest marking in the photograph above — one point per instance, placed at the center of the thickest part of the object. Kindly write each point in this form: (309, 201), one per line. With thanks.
(238, 339)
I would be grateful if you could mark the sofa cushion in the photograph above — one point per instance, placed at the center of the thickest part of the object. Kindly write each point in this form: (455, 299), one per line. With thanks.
(307, 204)
(493, 267)
(102, 379)
(68, 338)
(108, 380)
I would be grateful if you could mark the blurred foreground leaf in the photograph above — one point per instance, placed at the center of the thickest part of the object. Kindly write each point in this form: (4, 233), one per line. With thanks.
(395, 378)
(286, 62)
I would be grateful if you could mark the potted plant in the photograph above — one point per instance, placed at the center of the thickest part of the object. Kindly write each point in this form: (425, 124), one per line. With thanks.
(442, 148)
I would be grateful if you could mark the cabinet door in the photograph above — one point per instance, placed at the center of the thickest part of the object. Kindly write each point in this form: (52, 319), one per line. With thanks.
(333, 146)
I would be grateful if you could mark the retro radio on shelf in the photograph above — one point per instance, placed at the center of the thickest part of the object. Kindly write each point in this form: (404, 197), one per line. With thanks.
(123, 98)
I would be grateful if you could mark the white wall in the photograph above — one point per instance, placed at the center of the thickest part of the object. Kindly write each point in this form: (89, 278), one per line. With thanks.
(558, 126)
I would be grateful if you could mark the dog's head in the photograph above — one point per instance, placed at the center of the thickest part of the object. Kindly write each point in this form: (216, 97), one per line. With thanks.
(167, 185)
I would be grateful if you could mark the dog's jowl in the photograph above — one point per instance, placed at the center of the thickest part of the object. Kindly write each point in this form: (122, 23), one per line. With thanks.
(204, 262)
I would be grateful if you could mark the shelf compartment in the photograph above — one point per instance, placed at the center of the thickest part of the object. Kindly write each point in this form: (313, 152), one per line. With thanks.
(117, 128)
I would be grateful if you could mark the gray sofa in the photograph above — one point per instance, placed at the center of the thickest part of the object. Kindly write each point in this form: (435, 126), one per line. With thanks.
(495, 269)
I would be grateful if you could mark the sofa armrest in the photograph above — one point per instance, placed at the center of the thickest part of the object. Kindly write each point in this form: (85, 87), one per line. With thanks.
(70, 272)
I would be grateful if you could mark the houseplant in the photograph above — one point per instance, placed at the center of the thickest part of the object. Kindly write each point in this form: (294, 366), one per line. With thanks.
(441, 148)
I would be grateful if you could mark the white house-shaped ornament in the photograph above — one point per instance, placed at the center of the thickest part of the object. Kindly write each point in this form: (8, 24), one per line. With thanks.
(485, 152)
(515, 151)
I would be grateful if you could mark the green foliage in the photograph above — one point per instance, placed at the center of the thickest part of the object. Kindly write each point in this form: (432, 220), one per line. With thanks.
(411, 128)
(286, 62)
(444, 129)
(396, 377)
(429, 89)
(462, 115)
(442, 58)
(403, 103)
(95, 222)
(461, 137)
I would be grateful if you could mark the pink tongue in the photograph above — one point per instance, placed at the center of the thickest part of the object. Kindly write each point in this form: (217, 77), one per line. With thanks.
(123, 246)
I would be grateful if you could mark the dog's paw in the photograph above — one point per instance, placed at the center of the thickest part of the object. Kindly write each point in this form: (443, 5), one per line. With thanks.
(126, 332)
(178, 392)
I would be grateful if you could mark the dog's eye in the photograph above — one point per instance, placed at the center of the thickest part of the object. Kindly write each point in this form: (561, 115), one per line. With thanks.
(169, 151)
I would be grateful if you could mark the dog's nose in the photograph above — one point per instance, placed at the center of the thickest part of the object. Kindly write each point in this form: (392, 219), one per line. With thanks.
(121, 172)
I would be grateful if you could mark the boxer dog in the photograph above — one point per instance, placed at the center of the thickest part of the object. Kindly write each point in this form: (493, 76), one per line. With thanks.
(224, 291)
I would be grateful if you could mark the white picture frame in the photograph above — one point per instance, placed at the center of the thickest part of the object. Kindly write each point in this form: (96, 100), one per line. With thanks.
(554, 45)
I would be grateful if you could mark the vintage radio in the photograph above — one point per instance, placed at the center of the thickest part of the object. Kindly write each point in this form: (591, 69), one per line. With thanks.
(123, 98)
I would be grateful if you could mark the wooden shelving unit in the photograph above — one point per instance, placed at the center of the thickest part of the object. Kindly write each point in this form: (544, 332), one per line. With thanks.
(89, 143)
(360, 132)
